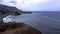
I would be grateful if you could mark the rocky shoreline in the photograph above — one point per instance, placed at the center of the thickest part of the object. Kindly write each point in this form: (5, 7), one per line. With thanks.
(13, 27)
(9, 10)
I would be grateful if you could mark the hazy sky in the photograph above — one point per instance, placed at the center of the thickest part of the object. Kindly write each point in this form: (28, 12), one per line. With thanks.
(34, 5)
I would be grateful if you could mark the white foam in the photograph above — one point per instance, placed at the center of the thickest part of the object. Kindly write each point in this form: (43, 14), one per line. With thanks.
(8, 19)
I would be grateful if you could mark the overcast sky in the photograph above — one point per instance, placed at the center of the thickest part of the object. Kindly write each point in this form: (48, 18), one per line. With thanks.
(34, 5)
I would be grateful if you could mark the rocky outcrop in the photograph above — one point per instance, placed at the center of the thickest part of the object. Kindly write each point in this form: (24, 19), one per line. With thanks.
(8, 9)
(17, 28)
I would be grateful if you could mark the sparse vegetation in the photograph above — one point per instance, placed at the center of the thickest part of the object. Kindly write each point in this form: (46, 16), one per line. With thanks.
(17, 28)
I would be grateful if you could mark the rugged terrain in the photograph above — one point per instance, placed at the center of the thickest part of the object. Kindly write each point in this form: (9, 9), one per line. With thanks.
(9, 10)
(17, 28)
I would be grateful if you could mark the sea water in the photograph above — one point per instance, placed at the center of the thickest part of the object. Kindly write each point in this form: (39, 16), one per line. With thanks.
(46, 22)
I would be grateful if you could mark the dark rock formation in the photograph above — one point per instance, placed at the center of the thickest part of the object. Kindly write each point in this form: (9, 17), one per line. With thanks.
(8, 9)
(17, 28)
(27, 12)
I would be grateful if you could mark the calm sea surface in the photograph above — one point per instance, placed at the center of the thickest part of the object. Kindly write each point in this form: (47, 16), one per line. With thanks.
(47, 22)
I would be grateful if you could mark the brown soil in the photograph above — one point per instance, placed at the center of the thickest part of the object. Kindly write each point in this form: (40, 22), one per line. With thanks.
(17, 28)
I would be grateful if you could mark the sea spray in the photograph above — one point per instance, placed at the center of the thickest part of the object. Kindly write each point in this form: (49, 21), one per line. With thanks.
(8, 19)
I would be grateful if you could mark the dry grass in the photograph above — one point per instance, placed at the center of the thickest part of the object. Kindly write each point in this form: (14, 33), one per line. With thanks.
(17, 28)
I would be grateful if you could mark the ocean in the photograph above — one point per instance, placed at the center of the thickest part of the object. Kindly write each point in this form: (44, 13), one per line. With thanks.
(48, 22)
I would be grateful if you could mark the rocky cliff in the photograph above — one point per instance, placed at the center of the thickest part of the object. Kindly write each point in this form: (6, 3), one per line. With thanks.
(7, 10)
